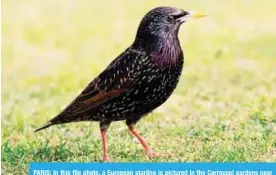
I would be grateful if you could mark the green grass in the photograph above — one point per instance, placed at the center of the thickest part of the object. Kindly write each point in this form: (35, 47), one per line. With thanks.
(223, 110)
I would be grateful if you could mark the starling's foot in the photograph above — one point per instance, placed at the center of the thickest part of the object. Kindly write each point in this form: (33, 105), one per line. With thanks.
(151, 154)
(106, 158)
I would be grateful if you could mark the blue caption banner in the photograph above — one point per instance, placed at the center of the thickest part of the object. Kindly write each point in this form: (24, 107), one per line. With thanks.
(152, 169)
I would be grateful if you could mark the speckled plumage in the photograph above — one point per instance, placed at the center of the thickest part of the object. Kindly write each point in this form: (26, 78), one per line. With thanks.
(137, 81)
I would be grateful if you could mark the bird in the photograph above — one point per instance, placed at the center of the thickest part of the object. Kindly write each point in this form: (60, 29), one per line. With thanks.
(136, 82)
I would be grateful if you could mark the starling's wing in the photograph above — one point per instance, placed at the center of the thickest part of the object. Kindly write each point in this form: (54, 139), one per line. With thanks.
(116, 79)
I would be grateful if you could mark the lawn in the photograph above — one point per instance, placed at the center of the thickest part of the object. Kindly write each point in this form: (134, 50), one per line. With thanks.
(223, 110)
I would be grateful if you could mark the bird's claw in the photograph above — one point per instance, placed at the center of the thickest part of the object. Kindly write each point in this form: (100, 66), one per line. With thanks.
(151, 154)
(106, 158)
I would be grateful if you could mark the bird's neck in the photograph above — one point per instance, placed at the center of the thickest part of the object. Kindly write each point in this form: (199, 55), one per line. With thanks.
(167, 50)
(164, 49)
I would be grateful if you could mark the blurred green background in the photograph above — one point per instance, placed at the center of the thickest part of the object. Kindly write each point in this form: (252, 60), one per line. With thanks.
(224, 108)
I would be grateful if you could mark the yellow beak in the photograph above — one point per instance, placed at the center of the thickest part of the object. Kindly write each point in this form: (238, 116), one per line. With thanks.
(197, 14)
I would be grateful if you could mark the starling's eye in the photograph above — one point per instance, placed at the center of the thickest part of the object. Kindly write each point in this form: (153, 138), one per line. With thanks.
(170, 18)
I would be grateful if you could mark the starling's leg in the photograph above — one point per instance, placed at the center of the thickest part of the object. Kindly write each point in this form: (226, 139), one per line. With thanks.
(150, 152)
(104, 126)
(146, 146)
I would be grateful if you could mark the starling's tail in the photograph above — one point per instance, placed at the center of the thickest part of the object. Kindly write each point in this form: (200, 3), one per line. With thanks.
(48, 124)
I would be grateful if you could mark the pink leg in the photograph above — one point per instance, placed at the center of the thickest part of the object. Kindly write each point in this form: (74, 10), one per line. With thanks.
(150, 152)
(106, 157)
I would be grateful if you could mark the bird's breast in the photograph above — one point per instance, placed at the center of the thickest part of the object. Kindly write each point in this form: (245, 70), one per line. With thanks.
(160, 83)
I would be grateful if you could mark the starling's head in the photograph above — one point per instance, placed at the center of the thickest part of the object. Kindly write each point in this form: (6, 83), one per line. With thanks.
(162, 21)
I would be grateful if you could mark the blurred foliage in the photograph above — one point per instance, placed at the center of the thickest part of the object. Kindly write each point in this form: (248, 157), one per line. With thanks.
(224, 108)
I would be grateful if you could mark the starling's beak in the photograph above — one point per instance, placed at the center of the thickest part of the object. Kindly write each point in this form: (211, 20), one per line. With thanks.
(196, 14)
(183, 17)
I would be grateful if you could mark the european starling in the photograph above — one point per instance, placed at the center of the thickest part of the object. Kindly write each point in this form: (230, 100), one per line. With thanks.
(137, 81)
